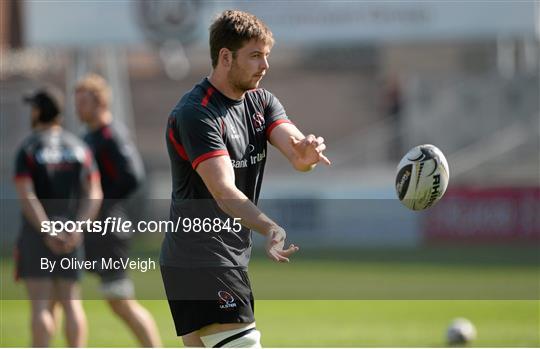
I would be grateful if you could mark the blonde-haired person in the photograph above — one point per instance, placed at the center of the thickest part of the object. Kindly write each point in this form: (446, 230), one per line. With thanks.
(97, 86)
(217, 139)
(121, 171)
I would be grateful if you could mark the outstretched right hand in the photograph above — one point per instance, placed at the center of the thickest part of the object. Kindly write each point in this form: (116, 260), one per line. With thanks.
(275, 243)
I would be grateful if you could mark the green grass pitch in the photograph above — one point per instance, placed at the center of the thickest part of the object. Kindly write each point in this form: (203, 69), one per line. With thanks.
(342, 300)
(297, 323)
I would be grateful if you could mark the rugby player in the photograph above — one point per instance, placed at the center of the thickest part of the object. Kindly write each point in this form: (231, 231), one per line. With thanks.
(121, 171)
(217, 139)
(55, 179)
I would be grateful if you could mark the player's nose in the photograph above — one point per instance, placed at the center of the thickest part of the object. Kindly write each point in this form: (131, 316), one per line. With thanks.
(264, 63)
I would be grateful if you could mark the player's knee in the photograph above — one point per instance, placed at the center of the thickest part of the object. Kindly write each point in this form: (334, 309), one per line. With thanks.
(69, 306)
(120, 307)
(42, 322)
(192, 340)
(238, 338)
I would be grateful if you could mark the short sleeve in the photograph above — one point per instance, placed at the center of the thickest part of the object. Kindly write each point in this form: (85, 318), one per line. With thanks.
(121, 164)
(274, 113)
(200, 135)
(90, 170)
(23, 165)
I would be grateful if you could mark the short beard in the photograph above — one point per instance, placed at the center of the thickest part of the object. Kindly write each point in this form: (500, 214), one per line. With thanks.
(237, 84)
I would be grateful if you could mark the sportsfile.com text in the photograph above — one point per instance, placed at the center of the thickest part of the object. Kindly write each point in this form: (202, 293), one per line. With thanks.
(121, 225)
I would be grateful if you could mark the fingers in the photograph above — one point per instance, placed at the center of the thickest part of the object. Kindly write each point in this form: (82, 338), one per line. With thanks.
(320, 148)
(55, 246)
(282, 255)
(325, 159)
(67, 249)
(310, 139)
(278, 254)
(310, 149)
(316, 142)
(273, 254)
(294, 140)
(62, 236)
(73, 240)
(292, 249)
(63, 243)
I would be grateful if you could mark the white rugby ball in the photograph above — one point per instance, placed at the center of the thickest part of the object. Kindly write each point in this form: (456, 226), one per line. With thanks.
(461, 331)
(422, 177)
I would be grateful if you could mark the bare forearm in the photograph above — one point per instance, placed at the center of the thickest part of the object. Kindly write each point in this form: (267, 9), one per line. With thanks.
(89, 209)
(91, 201)
(233, 202)
(34, 212)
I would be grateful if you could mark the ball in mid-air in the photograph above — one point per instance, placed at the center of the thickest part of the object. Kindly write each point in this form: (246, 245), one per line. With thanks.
(461, 331)
(422, 177)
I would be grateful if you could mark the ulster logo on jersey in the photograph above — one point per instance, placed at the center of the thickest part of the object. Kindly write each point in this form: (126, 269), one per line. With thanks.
(226, 300)
(258, 121)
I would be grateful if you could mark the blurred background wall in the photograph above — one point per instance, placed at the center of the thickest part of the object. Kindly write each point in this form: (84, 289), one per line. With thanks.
(373, 78)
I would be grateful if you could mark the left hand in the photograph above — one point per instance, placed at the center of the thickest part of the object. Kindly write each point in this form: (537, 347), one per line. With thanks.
(309, 151)
(56, 244)
(72, 241)
(275, 243)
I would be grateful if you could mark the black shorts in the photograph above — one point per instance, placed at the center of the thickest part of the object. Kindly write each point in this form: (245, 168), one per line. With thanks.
(200, 297)
(28, 254)
(107, 246)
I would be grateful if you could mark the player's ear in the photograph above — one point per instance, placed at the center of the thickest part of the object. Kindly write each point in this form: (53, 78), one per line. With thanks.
(226, 57)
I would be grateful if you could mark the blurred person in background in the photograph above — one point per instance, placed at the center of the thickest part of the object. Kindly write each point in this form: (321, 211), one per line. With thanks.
(56, 178)
(217, 143)
(392, 109)
(122, 172)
